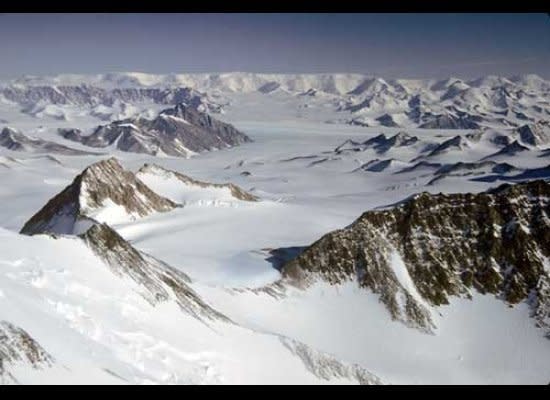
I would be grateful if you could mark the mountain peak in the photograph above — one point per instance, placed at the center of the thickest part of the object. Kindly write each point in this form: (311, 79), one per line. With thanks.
(103, 192)
(179, 131)
(383, 246)
(535, 134)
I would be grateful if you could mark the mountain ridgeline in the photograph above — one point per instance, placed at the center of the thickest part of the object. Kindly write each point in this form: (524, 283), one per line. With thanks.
(180, 131)
(363, 100)
(78, 206)
(420, 253)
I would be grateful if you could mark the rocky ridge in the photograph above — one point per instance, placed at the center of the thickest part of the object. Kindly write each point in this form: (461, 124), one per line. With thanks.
(101, 185)
(17, 141)
(447, 245)
(18, 348)
(180, 131)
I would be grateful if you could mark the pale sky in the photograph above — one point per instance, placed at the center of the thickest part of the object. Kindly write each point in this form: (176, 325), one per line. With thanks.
(388, 45)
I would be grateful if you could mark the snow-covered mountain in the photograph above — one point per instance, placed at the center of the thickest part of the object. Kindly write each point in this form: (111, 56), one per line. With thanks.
(112, 271)
(125, 260)
(179, 131)
(17, 141)
(419, 253)
(183, 189)
(354, 98)
(103, 192)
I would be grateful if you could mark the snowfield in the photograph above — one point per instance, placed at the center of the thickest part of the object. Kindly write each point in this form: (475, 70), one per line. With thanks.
(310, 177)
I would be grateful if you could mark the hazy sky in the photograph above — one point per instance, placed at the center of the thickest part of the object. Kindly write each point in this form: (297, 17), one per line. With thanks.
(389, 45)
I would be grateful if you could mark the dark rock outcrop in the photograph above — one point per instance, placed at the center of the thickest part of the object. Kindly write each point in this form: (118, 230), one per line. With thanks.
(535, 134)
(509, 150)
(72, 210)
(18, 348)
(494, 242)
(161, 281)
(448, 121)
(17, 141)
(179, 131)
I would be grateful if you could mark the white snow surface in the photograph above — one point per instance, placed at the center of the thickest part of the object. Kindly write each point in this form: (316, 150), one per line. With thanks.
(98, 327)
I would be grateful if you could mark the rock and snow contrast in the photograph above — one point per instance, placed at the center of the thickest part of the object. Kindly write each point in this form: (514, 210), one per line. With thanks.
(261, 228)
(17, 141)
(103, 192)
(419, 253)
(355, 99)
(179, 131)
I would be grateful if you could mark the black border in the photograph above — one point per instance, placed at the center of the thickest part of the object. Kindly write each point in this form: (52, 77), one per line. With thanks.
(292, 390)
(278, 6)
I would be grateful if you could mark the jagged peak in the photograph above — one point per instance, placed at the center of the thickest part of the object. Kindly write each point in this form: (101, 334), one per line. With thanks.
(101, 186)
(432, 235)
(108, 163)
(515, 146)
(11, 134)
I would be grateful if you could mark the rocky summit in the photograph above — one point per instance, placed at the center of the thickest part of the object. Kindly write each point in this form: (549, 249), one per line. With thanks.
(180, 131)
(103, 192)
(418, 254)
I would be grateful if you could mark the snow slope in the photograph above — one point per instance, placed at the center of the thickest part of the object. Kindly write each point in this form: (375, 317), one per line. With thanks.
(99, 328)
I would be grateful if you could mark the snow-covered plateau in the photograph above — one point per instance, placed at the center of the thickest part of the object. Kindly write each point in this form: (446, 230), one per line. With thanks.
(247, 228)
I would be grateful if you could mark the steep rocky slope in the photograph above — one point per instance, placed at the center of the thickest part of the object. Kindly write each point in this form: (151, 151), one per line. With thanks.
(17, 141)
(179, 131)
(430, 247)
(161, 281)
(537, 134)
(18, 348)
(103, 192)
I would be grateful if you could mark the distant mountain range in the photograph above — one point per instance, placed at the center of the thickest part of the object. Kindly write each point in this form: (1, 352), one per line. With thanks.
(179, 131)
(452, 103)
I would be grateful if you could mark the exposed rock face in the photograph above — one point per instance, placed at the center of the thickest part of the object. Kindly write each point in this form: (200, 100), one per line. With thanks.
(180, 132)
(509, 150)
(448, 121)
(377, 165)
(387, 120)
(472, 168)
(156, 170)
(18, 348)
(17, 141)
(455, 143)
(86, 95)
(380, 143)
(71, 134)
(495, 242)
(535, 134)
(101, 185)
(161, 281)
